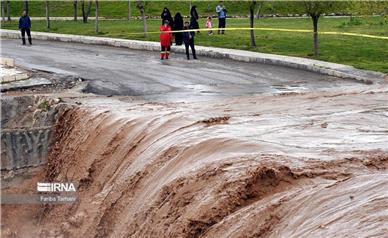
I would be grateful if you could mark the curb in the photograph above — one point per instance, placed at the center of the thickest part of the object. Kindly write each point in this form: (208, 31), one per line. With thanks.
(322, 67)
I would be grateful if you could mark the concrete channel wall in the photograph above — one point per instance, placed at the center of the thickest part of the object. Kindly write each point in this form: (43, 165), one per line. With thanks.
(332, 69)
(27, 131)
(22, 148)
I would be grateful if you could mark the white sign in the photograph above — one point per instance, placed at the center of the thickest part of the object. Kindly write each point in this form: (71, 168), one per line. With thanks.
(55, 187)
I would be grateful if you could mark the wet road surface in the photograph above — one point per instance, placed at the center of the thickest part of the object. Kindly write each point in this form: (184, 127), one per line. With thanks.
(118, 71)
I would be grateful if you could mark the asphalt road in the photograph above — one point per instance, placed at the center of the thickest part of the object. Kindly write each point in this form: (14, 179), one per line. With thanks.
(118, 71)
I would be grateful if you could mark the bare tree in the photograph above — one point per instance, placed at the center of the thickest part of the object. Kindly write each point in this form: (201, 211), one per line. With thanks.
(75, 11)
(140, 6)
(129, 10)
(47, 14)
(96, 16)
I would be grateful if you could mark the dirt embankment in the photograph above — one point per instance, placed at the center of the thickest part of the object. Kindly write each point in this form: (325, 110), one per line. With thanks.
(154, 170)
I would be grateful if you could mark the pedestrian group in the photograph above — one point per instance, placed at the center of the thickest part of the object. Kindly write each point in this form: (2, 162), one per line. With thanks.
(186, 35)
(186, 31)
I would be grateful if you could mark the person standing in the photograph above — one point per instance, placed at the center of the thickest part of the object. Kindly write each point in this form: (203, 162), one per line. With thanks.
(178, 26)
(221, 11)
(165, 40)
(25, 27)
(188, 38)
(194, 18)
(166, 16)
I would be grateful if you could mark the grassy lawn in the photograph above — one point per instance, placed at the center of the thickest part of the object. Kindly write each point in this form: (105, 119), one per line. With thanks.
(364, 53)
(119, 9)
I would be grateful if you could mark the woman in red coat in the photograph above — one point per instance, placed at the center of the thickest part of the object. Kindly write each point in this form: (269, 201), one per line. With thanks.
(165, 40)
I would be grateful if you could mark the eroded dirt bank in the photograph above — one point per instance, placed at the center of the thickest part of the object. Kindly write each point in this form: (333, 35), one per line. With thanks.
(309, 165)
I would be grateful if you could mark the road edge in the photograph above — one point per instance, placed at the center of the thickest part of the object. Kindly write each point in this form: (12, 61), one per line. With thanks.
(322, 67)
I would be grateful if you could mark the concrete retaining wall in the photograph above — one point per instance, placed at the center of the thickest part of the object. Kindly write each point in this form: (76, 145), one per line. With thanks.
(27, 131)
(22, 148)
(332, 69)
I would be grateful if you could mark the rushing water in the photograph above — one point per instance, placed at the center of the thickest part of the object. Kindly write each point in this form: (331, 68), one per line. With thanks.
(239, 168)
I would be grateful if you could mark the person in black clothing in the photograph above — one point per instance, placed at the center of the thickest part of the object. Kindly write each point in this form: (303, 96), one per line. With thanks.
(194, 18)
(25, 26)
(178, 26)
(188, 38)
(166, 15)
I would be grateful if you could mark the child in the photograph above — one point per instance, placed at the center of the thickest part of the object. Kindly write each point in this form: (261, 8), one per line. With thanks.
(209, 25)
(188, 38)
(165, 40)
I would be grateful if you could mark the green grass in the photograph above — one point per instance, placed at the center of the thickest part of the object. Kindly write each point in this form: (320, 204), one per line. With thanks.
(119, 9)
(364, 53)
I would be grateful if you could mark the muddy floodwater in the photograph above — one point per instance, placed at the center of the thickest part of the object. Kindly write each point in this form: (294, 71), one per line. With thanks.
(295, 163)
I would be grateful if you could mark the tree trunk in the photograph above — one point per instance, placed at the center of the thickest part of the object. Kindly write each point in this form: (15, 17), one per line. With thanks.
(9, 10)
(251, 22)
(258, 11)
(315, 35)
(140, 6)
(2, 10)
(75, 4)
(85, 14)
(96, 16)
(47, 15)
(84, 19)
(26, 6)
(89, 8)
(129, 10)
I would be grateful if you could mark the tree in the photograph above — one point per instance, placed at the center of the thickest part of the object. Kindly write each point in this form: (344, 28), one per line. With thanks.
(85, 14)
(315, 9)
(140, 7)
(75, 10)
(96, 16)
(252, 12)
(252, 7)
(47, 15)
(371, 8)
(25, 6)
(9, 10)
(258, 12)
(129, 10)
(3, 10)
(261, 6)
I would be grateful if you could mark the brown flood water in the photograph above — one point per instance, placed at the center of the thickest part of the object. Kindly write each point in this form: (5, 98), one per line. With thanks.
(303, 165)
